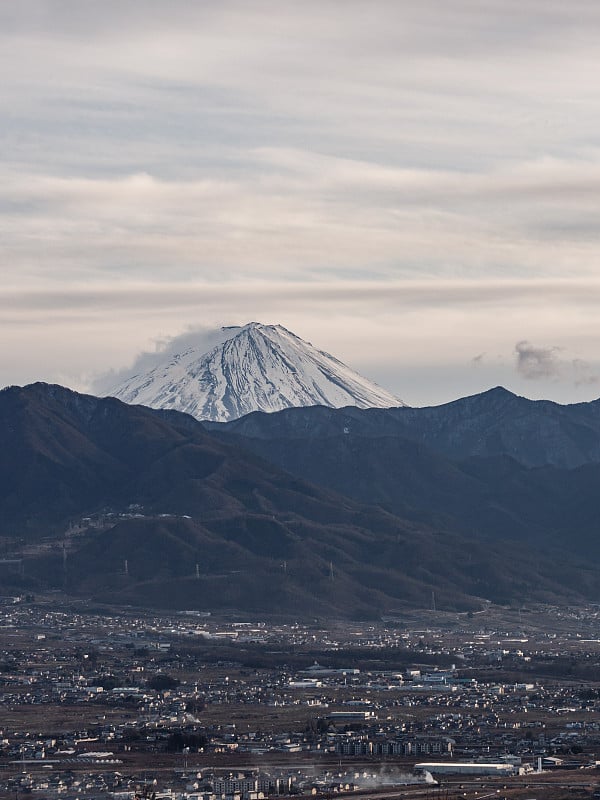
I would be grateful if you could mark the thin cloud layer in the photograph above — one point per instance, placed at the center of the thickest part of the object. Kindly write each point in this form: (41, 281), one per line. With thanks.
(300, 215)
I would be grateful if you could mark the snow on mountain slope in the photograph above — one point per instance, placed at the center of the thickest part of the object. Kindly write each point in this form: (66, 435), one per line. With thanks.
(254, 368)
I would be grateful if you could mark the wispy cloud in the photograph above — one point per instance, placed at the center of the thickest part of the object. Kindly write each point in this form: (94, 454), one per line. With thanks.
(201, 339)
(295, 215)
(543, 363)
(534, 363)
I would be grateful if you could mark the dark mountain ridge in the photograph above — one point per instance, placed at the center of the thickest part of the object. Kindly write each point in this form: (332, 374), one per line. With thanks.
(192, 519)
(490, 467)
(493, 423)
(213, 525)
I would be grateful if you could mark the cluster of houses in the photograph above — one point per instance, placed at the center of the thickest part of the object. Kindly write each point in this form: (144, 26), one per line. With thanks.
(141, 684)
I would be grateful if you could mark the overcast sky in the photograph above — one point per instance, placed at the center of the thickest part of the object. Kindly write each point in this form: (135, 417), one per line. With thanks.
(411, 186)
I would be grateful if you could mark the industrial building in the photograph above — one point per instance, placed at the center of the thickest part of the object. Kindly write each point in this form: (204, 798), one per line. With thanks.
(466, 768)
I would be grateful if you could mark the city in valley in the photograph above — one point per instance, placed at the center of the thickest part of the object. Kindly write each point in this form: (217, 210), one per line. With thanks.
(105, 703)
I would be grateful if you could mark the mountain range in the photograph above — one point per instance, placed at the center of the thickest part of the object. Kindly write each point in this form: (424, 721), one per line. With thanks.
(493, 423)
(493, 466)
(325, 511)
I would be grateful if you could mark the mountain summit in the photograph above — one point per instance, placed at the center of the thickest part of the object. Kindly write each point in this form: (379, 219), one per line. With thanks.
(254, 368)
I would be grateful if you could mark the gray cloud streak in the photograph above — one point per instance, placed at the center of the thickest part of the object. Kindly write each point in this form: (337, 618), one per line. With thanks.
(545, 363)
(103, 296)
(534, 362)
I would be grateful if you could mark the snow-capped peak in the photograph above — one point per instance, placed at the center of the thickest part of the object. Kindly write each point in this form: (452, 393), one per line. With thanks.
(251, 368)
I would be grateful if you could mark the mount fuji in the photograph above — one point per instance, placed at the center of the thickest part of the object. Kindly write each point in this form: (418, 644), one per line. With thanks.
(253, 368)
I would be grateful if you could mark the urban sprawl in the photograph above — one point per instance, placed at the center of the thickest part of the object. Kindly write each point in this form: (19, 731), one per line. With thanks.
(103, 704)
